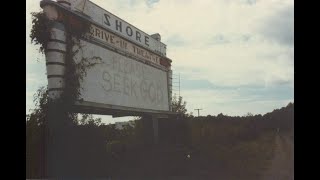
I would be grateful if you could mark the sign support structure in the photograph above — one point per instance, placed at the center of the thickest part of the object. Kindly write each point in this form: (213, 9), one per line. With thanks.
(155, 124)
(56, 68)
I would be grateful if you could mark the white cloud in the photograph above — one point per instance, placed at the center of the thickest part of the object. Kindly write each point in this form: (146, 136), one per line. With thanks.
(197, 22)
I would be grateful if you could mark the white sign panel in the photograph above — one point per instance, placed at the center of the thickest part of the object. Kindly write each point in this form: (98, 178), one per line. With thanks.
(111, 39)
(119, 80)
(119, 26)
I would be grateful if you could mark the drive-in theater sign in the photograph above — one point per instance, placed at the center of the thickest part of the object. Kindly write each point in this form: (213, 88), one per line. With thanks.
(134, 75)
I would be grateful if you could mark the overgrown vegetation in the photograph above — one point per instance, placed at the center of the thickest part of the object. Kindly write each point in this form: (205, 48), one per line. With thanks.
(40, 31)
(51, 125)
(75, 29)
(237, 147)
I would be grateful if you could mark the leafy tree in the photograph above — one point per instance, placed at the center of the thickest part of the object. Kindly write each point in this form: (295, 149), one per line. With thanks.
(38, 114)
(179, 106)
(88, 119)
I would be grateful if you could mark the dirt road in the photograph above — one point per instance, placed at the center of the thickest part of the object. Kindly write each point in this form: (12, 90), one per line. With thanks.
(282, 165)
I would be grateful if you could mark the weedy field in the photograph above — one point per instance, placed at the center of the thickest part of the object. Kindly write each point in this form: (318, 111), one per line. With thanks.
(211, 147)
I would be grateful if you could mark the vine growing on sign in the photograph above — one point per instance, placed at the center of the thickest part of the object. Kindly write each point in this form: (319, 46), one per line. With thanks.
(75, 29)
(52, 125)
(40, 31)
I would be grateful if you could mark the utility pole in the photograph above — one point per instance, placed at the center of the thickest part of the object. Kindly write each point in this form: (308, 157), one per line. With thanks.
(198, 111)
(179, 85)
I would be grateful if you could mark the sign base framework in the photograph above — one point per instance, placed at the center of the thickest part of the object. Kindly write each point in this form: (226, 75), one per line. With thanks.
(117, 111)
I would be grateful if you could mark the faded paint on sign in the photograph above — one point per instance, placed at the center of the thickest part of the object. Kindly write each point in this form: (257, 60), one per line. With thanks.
(122, 44)
(122, 81)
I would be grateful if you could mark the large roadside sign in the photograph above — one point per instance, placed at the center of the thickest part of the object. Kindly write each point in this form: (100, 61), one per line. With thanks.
(133, 74)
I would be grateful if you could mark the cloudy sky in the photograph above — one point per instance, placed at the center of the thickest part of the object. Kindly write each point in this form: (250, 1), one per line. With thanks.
(233, 56)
